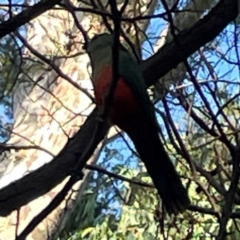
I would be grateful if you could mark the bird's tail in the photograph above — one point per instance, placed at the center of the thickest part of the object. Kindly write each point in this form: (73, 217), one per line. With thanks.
(160, 169)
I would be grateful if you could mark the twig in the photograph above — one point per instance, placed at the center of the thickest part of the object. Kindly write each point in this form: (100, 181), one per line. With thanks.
(53, 66)
(26, 16)
(117, 176)
(51, 206)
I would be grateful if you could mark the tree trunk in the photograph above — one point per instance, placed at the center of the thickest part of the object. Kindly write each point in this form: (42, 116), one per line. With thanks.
(48, 110)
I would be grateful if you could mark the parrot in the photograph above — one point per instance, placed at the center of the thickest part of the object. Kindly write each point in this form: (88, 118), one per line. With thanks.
(133, 112)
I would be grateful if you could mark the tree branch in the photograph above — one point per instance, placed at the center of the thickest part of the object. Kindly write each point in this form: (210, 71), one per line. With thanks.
(39, 182)
(45, 178)
(26, 16)
(204, 31)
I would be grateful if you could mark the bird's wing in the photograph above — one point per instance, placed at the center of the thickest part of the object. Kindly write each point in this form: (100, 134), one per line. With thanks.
(131, 72)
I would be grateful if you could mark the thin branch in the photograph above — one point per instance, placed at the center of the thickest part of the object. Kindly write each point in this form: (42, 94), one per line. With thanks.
(202, 32)
(117, 176)
(26, 16)
(48, 209)
(179, 139)
(69, 7)
(230, 196)
(53, 66)
(116, 15)
(195, 83)
(4, 147)
(42, 180)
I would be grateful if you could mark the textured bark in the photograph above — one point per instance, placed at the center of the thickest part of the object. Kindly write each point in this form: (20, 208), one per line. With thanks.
(26, 16)
(48, 110)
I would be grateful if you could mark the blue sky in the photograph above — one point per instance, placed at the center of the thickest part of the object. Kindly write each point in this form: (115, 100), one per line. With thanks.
(228, 71)
(222, 69)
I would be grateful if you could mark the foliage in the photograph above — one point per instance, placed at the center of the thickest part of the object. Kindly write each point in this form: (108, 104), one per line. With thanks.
(10, 62)
(198, 115)
(185, 112)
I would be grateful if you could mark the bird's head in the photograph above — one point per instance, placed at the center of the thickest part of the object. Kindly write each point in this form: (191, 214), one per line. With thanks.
(99, 42)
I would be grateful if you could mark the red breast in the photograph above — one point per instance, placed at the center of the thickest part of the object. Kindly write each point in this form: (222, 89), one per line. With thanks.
(124, 103)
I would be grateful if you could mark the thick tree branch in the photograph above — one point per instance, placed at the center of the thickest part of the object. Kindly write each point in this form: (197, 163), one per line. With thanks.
(45, 178)
(26, 16)
(42, 180)
(204, 31)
